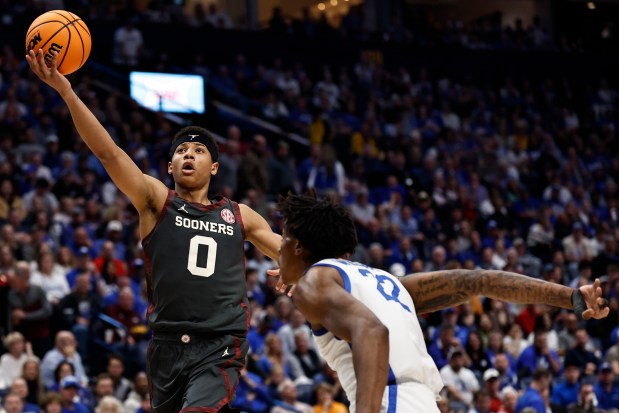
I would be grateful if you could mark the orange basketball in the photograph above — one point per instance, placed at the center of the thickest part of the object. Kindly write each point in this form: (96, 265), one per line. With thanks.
(63, 32)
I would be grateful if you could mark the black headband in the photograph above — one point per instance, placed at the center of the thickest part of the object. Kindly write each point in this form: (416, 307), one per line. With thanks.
(210, 145)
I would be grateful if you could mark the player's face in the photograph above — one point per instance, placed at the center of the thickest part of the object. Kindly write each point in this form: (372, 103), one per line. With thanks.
(291, 264)
(192, 165)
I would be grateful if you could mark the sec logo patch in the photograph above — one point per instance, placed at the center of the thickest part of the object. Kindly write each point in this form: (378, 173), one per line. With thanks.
(228, 216)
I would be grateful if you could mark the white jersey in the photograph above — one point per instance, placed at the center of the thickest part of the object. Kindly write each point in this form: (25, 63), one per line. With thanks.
(414, 380)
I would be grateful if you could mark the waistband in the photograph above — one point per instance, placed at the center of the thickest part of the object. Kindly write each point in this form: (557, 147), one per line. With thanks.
(416, 383)
(186, 338)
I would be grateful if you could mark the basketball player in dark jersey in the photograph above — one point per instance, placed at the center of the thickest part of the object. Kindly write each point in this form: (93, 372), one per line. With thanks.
(194, 248)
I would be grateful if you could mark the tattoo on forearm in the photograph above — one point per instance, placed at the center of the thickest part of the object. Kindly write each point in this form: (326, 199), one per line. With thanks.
(449, 288)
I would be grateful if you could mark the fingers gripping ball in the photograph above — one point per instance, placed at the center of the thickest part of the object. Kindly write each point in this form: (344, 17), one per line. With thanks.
(62, 32)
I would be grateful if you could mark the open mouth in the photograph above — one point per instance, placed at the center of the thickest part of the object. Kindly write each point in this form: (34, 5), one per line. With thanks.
(188, 167)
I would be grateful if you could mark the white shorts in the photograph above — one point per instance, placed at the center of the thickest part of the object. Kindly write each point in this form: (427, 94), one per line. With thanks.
(407, 398)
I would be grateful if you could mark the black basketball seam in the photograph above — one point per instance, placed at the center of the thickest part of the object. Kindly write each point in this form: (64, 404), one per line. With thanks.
(41, 24)
(77, 20)
(53, 35)
(51, 21)
(60, 14)
(45, 22)
(64, 56)
(82, 61)
(73, 23)
(81, 23)
(83, 26)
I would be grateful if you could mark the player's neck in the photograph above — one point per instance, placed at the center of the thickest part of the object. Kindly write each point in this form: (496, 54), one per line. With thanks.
(199, 196)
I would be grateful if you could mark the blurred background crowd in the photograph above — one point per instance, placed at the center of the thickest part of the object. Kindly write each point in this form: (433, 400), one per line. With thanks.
(441, 166)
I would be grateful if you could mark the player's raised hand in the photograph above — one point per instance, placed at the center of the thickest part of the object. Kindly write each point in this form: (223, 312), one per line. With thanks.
(281, 287)
(49, 75)
(596, 305)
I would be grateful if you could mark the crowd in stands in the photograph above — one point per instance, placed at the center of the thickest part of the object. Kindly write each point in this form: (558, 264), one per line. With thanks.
(421, 28)
(438, 173)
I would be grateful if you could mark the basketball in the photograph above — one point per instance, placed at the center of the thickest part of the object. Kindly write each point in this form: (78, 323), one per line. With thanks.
(63, 32)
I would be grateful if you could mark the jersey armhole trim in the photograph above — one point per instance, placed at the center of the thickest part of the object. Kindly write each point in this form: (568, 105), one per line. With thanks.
(342, 273)
(162, 214)
(239, 218)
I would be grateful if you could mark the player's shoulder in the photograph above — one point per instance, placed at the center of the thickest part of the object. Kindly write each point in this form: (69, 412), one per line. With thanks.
(326, 273)
(334, 263)
(318, 276)
(155, 197)
(328, 261)
(315, 288)
(247, 214)
(346, 266)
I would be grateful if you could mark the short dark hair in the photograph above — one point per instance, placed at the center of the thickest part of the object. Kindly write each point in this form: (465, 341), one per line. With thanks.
(540, 374)
(322, 226)
(102, 376)
(197, 130)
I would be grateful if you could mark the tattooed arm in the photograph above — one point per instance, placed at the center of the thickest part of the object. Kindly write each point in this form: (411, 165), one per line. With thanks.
(434, 291)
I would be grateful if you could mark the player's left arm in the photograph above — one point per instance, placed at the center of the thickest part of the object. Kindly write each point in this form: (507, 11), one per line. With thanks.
(437, 290)
(259, 233)
(321, 297)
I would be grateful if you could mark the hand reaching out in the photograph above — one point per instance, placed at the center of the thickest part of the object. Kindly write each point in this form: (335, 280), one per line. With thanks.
(281, 287)
(596, 305)
(49, 75)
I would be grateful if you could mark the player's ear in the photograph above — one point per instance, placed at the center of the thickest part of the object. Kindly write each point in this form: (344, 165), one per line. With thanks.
(169, 167)
(215, 168)
(298, 248)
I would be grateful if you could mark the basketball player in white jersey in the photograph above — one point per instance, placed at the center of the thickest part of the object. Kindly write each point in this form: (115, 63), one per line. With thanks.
(365, 319)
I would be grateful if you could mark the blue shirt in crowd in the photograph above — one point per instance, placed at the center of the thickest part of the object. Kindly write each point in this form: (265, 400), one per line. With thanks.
(532, 360)
(565, 393)
(531, 398)
(607, 400)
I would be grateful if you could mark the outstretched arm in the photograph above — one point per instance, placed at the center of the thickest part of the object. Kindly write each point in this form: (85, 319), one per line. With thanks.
(144, 191)
(321, 297)
(441, 289)
(259, 233)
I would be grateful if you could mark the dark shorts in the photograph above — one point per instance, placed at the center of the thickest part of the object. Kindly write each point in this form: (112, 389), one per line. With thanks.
(190, 373)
